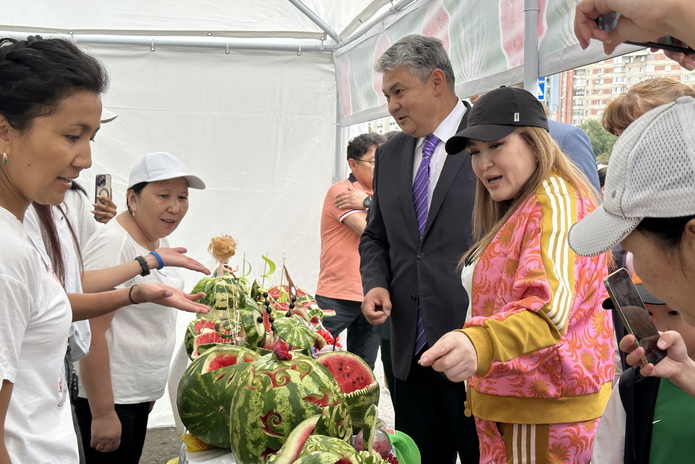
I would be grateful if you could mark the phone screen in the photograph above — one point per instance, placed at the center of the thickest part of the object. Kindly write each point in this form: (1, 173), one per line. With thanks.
(103, 186)
(609, 21)
(634, 314)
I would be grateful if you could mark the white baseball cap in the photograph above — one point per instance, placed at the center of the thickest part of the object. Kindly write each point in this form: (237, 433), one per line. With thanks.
(651, 173)
(162, 166)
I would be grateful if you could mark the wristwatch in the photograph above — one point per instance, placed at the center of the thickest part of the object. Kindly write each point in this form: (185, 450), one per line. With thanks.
(367, 201)
(143, 264)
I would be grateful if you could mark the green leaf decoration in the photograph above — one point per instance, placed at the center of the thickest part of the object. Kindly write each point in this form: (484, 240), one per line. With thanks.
(246, 263)
(271, 267)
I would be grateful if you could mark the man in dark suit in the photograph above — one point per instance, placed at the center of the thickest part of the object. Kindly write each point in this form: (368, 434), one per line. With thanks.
(409, 259)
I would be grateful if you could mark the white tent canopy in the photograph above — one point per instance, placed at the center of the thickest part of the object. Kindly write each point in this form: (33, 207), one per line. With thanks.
(251, 96)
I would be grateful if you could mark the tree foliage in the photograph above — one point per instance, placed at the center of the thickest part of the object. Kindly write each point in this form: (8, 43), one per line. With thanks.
(601, 140)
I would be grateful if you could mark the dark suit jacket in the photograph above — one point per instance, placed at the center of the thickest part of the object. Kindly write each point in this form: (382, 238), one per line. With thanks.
(393, 256)
(576, 145)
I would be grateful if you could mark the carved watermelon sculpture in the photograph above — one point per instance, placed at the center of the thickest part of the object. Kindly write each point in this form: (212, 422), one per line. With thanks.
(205, 392)
(356, 380)
(273, 396)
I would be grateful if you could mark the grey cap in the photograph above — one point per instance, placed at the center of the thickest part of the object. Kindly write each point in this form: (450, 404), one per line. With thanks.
(651, 174)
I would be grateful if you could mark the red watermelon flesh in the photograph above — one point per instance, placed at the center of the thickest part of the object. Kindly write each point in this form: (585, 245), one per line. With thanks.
(351, 374)
(201, 324)
(207, 337)
(357, 381)
(222, 358)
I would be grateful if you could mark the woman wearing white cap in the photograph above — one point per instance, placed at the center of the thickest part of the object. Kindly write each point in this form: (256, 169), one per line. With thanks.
(649, 207)
(537, 351)
(127, 367)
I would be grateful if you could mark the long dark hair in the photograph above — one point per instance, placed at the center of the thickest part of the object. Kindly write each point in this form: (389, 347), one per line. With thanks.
(36, 74)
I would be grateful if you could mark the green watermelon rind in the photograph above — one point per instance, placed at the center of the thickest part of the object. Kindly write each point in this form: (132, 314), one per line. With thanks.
(203, 399)
(330, 444)
(255, 331)
(263, 416)
(295, 332)
(318, 457)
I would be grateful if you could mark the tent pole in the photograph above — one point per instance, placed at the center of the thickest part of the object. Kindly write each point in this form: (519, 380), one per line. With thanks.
(393, 10)
(318, 21)
(339, 165)
(531, 12)
(293, 45)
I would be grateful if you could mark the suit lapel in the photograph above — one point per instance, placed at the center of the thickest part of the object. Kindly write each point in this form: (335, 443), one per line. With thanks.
(450, 170)
(405, 186)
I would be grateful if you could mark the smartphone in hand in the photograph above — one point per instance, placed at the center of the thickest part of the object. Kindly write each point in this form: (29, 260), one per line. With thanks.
(609, 21)
(103, 187)
(633, 313)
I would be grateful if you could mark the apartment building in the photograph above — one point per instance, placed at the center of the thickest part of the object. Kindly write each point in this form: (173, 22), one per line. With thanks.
(584, 92)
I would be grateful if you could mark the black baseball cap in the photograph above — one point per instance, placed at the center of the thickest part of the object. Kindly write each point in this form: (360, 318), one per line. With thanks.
(496, 114)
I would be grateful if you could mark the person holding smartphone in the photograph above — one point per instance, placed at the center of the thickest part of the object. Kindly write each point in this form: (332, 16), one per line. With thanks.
(640, 21)
(648, 419)
(648, 208)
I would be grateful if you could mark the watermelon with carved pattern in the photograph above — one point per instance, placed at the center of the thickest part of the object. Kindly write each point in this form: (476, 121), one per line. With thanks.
(274, 395)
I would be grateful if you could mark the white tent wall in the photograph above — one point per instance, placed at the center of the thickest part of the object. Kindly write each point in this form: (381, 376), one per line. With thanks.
(258, 128)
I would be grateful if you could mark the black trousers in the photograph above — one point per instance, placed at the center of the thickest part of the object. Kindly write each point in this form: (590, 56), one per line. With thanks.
(133, 430)
(429, 408)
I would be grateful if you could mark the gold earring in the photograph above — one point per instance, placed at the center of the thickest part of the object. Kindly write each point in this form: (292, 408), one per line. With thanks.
(5, 159)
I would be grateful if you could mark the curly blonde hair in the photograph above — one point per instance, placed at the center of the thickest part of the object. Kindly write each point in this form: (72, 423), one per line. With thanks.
(222, 248)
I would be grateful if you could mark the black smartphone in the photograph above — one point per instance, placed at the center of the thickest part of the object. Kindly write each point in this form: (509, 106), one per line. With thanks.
(634, 314)
(609, 21)
(103, 187)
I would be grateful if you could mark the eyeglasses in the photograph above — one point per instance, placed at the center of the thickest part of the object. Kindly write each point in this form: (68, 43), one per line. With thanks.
(371, 163)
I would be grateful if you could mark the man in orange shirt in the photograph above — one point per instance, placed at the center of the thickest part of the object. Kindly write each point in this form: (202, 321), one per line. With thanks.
(339, 286)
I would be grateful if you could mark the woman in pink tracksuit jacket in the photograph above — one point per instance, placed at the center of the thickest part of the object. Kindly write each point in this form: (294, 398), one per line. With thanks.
(538, 350)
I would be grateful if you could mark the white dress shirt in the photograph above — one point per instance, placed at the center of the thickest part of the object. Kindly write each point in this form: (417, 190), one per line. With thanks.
(447, 129)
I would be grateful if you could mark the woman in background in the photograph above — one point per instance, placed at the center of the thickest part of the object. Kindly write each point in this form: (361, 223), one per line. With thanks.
(649, 209)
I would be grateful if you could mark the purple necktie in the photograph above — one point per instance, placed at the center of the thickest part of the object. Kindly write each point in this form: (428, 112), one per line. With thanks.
(420, 188)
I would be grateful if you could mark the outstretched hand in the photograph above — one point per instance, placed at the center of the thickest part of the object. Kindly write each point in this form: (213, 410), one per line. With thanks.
(176, 257)
(168, 296)
(454, 355)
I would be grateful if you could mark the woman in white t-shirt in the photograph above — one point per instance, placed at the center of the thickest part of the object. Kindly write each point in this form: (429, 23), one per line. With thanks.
(126, 369)
(50, 107)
